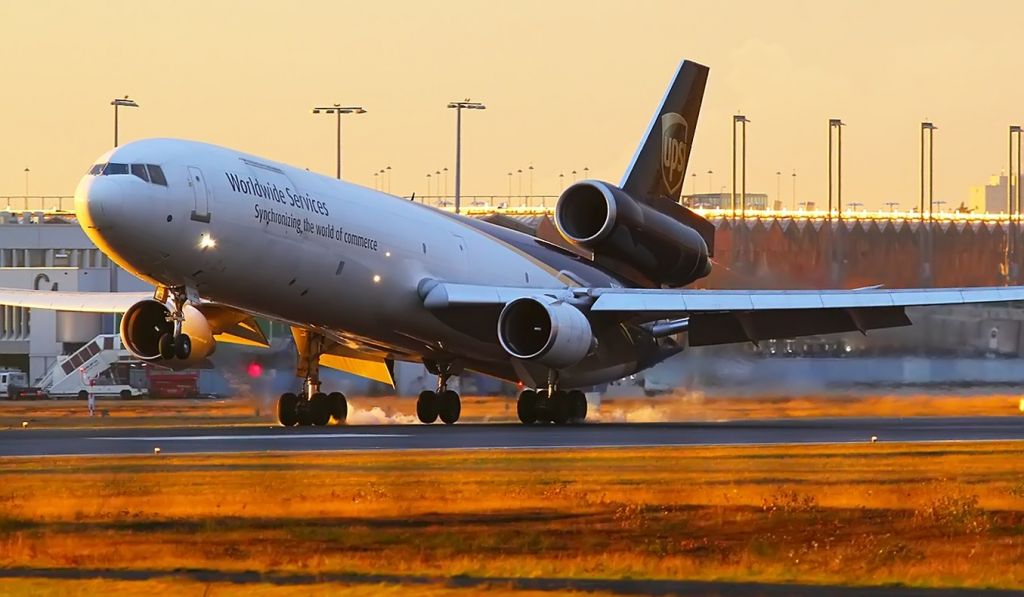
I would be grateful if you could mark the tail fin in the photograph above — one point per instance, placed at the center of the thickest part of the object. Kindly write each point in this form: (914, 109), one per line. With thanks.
(659, 165)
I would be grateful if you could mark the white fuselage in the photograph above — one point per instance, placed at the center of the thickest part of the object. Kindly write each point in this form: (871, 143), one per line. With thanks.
(298, 246)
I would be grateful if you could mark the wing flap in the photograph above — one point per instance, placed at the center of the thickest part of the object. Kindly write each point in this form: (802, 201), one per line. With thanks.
(711, 328)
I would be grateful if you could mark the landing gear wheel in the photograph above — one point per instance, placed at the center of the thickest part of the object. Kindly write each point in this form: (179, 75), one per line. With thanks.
(449, 406)
(287, 411)
(182, 346)
(426, 407)
(561, 408)
(165, 346)
(339, 406)
(542, 410)
(303, 412)
(526, 407)
(320, 406)
(578, 402)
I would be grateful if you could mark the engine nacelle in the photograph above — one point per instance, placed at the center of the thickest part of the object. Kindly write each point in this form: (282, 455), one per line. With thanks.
(606, 220)
(545, 330)
(146, 321)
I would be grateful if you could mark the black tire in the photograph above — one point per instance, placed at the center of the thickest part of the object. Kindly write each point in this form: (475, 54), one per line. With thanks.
(561, 408)
(303, 412)
(287, 409)
(543, 407)
(126, 394)
(165, 346)
(578, 401)
(83, 395)
(183, 346)
(14, 395)
(426, 407)
(320, 406)
(339, 406)
(526, 407)
(450, 407)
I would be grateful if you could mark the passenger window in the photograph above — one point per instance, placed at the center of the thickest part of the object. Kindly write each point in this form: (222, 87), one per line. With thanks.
(140, 171)
(156, 175)
(113, 168)
(96, 169)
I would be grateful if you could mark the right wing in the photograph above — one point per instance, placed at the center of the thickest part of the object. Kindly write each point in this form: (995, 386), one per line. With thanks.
(83, 302)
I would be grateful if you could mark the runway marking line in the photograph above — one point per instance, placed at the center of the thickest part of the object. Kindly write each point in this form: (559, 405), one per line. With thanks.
(201, 438)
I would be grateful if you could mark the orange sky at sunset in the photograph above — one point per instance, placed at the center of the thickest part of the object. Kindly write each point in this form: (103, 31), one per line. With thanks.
(567, 85)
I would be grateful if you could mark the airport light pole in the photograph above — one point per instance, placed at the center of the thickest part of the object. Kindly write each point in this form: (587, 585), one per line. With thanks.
(26, 185)
(338, 110)
(778, 187)
(1013, 205)
(709, 181)
(794, 190)
(741, 120)
(927, 131)
(836, 125)
(120, 102)
(459, 107)
(892, 206)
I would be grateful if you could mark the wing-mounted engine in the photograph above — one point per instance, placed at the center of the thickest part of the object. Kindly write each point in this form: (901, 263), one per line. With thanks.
(546, 330)
(147, 321)
(609, 222)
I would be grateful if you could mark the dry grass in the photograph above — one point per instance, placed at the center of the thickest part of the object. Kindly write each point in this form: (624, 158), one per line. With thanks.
(390, 410)
(944, 514)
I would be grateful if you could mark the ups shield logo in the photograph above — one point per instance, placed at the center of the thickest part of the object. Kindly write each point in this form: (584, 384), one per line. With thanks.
(674, 132)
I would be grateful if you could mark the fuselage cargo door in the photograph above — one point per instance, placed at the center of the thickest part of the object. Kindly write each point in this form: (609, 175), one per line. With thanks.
(200, 194)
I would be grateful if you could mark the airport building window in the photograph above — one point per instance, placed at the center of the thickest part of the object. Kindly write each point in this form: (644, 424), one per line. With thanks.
(140, 171)
(156, 174)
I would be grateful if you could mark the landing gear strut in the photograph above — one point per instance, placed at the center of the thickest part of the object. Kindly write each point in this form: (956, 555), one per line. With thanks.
(175, 344)
(312, 407)
(444, 403)
(551, 405)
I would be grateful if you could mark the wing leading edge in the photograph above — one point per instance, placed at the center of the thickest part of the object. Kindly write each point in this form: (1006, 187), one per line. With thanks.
(726, 316)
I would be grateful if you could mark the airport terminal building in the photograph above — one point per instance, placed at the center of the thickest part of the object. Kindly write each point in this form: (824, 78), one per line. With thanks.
(45, 248)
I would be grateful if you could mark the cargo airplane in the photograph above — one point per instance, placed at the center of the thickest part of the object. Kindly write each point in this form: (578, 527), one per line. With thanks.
(365, 278)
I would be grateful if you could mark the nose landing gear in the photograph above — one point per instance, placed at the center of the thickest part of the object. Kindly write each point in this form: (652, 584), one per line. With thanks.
(177, 344)
(444, 403)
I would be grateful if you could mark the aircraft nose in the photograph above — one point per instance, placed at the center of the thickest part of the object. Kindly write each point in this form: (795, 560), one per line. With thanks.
(98, 201)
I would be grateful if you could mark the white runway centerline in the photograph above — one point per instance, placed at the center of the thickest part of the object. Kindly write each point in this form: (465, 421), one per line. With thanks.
(202, 438)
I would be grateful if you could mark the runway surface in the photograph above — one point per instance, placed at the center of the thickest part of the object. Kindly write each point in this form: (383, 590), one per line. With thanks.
(192, 440)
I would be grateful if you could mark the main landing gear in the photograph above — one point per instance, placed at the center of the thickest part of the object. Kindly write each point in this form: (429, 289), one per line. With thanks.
(312, 407)
(444, 403)
(177, 344)
(551, 405)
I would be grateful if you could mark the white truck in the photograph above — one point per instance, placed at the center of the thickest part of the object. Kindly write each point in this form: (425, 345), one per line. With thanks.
(14, 386)
(95, 368)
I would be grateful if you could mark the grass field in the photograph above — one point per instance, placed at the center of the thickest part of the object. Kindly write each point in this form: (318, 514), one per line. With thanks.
(390, 410)
(924, 515)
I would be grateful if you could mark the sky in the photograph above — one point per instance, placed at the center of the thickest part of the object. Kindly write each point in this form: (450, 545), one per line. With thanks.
(568, 85)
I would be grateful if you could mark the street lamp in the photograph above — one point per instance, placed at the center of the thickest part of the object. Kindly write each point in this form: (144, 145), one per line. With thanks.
(459, 107)
(118, 103)
(338, 110)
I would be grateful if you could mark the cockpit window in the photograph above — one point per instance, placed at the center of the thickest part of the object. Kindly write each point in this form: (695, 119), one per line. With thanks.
(113, 168)
(140, 171)
(96, 169)
(156, 174)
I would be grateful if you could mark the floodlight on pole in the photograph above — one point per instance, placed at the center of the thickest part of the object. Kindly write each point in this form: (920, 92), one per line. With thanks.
(338, 110)
(459, 107)
(121, 102)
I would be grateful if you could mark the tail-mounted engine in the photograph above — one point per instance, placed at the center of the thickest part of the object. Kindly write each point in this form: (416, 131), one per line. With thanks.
(606, 220)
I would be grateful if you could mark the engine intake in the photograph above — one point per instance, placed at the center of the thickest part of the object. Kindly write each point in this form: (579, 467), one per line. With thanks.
(608, 221)
(545, 330)
(146, 321)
